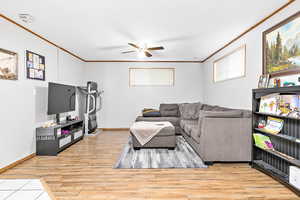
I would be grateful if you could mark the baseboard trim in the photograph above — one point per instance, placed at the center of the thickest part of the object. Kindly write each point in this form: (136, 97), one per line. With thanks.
(115, 129)
(12, 165)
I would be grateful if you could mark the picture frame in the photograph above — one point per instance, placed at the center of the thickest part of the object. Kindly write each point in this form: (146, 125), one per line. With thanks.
(263, 81)
(8, 65)
(281, 49)
(35, 66)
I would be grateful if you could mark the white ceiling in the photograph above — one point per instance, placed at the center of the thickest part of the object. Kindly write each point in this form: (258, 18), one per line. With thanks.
(101, 29)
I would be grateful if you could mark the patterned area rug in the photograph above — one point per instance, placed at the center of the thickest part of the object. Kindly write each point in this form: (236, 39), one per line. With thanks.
(182, 157)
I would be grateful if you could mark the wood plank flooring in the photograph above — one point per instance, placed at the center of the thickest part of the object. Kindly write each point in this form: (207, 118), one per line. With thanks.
(84, 172)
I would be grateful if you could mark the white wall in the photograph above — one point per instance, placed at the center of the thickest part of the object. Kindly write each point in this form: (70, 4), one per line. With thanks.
(237, 93)
(23, 102)
(123, 103)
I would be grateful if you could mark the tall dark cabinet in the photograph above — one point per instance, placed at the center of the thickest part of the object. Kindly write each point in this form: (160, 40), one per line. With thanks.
(287, 142)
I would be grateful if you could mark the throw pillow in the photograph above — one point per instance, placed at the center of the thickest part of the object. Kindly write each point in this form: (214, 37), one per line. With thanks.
(149, 112)
(168, 110)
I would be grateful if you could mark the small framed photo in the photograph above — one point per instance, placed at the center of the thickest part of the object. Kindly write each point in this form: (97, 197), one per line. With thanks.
(35, 66)
(264, 81)
(8, 65)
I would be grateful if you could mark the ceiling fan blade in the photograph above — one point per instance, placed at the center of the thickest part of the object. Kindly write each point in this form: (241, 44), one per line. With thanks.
(128, 51)
(134, 45)
(156, 48)
(148, 54)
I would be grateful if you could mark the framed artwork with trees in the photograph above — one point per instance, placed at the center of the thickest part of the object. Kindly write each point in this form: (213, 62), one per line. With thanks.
(281, 48)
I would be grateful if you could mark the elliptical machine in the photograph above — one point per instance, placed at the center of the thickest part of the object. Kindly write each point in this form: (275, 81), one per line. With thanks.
(90, 103)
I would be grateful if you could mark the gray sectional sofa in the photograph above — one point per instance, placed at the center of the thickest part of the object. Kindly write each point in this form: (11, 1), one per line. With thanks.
(217, 134)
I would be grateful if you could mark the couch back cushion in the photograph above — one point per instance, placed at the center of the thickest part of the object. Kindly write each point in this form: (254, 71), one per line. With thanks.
(190, 110)
(169, 110)
(207, 107)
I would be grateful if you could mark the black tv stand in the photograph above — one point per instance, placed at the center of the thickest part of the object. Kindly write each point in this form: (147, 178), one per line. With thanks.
(52, 140)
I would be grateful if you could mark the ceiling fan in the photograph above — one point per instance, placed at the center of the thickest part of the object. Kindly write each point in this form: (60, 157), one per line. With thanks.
(143, 50)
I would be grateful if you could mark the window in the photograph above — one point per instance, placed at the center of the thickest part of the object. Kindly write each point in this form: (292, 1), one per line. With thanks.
(151, 77)
(230, 66)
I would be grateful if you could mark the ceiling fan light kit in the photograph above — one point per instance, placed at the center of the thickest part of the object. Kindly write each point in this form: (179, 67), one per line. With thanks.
(141, 54)
(143, 51)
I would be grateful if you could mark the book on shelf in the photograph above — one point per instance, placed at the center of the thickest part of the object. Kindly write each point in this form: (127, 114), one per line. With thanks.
(263, 141)
(269, 103)
(282, 105)
(289, 105)
(274, 125)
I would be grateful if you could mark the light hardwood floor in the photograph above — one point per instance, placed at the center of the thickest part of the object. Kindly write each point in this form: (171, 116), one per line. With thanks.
(84, 172)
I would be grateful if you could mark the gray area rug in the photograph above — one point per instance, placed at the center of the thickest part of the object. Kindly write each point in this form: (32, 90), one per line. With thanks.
(182, 157)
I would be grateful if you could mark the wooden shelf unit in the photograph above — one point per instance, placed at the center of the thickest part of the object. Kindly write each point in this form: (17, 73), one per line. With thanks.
(287, 143)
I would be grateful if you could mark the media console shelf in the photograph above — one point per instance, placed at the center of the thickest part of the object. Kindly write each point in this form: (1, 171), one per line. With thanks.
(286, 143)
(52, 140)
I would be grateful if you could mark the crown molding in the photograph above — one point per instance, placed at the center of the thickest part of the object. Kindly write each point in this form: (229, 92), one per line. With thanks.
(84, 60)
(250, 29)
(152, 61)
(41, 37)
(145, 61)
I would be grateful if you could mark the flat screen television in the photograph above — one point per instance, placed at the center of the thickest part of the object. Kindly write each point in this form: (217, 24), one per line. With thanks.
(61, 98)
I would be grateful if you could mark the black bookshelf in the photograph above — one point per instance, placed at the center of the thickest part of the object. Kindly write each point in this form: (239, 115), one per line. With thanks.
(287, 143)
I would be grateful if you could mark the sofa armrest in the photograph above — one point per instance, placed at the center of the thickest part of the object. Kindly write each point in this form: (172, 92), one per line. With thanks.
(225, 139)
(216, 114)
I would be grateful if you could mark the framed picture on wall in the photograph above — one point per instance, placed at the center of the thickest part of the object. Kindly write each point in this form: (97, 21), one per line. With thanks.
(35, 66)
(281, 48)
(8, 65)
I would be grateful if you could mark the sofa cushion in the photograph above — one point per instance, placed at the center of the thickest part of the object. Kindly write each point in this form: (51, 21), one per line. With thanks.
(195, 134)
(172, 120)
(184, 122)
(188, 126)
(190, 110)
(169, 110)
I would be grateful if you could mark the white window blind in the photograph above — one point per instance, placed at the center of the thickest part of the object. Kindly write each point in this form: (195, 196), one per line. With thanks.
(151, 77)
(231, 65)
